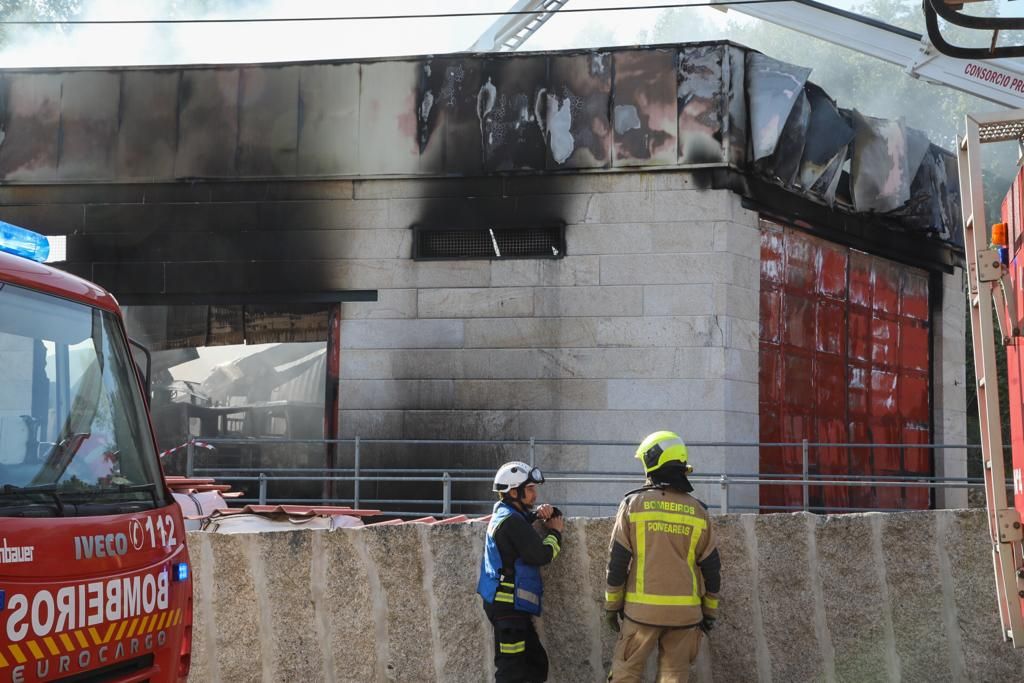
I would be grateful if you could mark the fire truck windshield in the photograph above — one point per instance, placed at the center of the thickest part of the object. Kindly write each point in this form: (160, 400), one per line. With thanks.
(74, 437)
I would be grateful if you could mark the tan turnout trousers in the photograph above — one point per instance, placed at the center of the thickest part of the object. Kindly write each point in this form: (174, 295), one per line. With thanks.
(677, 648)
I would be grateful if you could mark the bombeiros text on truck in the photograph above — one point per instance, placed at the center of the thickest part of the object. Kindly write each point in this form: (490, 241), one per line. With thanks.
(94, 573)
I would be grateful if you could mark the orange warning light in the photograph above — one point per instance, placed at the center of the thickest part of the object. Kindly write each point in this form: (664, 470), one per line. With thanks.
(999, 235)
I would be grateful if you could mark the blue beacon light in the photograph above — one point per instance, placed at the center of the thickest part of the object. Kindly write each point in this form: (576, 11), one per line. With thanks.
(24, 243)
(181, 571)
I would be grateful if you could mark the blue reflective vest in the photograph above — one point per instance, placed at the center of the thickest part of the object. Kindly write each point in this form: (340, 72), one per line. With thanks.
(524, 592)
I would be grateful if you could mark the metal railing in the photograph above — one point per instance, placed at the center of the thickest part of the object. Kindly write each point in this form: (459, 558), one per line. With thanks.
(447, 478)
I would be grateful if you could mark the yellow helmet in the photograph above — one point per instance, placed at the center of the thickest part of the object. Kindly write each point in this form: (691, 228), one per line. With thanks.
(660, 448)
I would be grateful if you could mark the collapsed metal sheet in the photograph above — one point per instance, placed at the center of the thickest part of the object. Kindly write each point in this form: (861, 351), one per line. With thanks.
(828, 135)
(879, 174)
(934, 203)
(773, 89)
(784, 162)
(702, 104)
(644, 108)
(574, 111)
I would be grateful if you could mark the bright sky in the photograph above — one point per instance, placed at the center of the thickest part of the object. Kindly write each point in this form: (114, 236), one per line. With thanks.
(232, 43)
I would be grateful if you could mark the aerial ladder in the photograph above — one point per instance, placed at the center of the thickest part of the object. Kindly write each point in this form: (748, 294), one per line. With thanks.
(997, 80)
(992, 288)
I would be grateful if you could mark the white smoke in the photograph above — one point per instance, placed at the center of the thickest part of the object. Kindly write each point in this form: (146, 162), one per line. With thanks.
(155, 44)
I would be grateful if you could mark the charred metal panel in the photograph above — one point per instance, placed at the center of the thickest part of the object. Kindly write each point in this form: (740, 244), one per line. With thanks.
(147, 137)
(454, 85)
(784, 163)
(879, 174)
(703, 113)
(31, 131)
(773, 90)
(208, 129)
(508, 106)
(828, 135)
(89, 111)
(268, 109)
(644, 108)
(388, 115)
(737, 102)
(328, 119)
(574, 111)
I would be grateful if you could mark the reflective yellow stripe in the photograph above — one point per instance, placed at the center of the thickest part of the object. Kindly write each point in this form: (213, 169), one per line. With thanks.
(142, 626)
(3, 661)
(647, 599)
(508, 585)
(613, 597)
(51, 645)
(110, 632)
(641, 559)
(19, 656)
(34, 649)
(95, 636)
(710, 603)
(638, 595)
(503, 597)
(131, 629)
(670, 517)
(177, 616)
(120, 631)
(81, 639)
(553, 542)
(68, 645)
(691, 559)
(512, 648)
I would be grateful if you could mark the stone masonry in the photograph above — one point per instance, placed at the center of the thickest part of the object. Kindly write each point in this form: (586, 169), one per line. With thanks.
(863, 597)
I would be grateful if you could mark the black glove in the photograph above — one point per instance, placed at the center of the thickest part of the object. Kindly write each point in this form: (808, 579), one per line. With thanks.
(707, 624)
(612, 619)
(555, 512)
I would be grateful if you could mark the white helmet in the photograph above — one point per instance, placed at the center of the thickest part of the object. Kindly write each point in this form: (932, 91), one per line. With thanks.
(514, 474)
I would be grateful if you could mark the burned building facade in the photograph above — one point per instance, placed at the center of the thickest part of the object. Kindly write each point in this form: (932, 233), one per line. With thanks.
(579, 246)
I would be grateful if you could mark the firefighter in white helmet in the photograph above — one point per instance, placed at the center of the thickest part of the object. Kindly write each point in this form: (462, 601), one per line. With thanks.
(664, 571)
(510, 582)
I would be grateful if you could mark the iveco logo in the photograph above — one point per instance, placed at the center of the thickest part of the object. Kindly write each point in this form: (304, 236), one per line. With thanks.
(137, 535)
(100, 545)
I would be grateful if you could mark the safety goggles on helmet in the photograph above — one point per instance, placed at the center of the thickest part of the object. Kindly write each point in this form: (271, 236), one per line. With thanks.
(515, 474)
(661, 448)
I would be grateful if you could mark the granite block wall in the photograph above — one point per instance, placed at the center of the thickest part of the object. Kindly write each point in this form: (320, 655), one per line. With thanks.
(862, 597)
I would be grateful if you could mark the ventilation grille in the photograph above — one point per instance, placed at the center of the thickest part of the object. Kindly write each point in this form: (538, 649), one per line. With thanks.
(496, 243)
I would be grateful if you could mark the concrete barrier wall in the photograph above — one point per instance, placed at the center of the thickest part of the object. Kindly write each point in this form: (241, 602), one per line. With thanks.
(870, 597)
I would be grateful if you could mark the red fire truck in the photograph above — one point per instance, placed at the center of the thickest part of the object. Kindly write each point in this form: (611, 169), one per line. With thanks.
(94, 574)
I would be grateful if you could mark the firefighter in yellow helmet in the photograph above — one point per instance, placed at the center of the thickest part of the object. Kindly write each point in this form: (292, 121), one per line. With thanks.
(664, 571)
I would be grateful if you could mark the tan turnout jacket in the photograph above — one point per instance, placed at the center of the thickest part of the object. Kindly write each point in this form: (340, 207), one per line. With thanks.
(668, 533)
